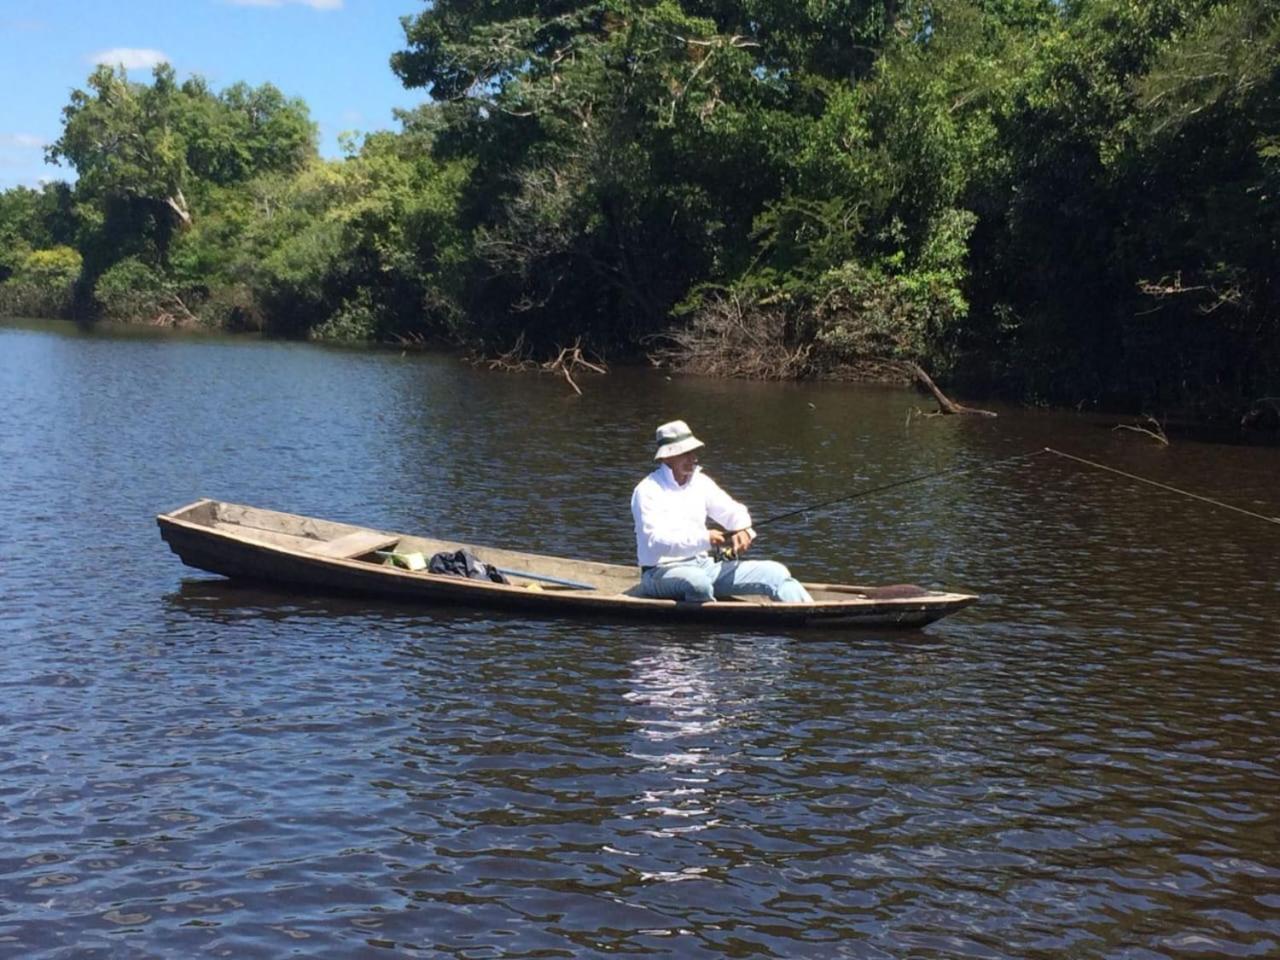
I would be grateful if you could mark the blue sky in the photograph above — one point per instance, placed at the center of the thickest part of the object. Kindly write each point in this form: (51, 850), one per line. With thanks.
(331, 53)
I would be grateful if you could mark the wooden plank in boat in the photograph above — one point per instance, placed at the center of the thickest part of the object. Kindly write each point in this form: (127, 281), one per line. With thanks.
(273, 521)
(353, 544)
(290, 541)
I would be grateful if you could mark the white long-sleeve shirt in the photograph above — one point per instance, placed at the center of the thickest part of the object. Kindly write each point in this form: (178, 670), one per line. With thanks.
(671, 520)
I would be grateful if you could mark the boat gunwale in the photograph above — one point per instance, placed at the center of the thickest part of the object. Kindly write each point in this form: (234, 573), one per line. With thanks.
(745, 607)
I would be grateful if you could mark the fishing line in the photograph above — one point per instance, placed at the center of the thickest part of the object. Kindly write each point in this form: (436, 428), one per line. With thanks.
(1164, 486)
(900, 483)
(996, 463)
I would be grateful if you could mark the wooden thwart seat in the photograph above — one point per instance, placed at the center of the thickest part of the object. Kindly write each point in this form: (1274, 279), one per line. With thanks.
(355, 544)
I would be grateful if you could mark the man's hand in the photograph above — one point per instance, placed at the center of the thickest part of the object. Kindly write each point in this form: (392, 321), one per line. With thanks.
(734, 544)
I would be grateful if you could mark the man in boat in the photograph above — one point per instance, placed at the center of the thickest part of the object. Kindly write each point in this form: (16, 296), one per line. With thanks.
(680, 558)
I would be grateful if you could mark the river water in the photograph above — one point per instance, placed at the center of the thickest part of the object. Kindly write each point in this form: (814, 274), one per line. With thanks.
(1085, 764)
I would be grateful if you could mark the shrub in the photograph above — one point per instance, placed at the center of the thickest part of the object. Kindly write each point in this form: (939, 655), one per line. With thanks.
(128, 290)
(134, 292)
(889, 309)
(356, 319)
(736, 335)
(43, 283)
(233, 307)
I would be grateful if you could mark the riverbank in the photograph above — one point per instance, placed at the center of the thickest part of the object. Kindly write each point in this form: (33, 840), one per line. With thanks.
(1258, 424)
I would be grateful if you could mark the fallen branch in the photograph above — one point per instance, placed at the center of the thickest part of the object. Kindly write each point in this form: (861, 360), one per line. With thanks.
(945, 403)
(172, 312)
(1155, 431)
(513, 360)
(569, 360)
(411, 339)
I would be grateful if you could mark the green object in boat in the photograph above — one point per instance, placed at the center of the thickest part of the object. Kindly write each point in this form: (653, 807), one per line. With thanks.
(410, 561)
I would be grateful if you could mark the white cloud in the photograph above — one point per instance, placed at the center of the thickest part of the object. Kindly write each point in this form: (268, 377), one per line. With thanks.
(24, 140)
(314, 4)
(132, 58)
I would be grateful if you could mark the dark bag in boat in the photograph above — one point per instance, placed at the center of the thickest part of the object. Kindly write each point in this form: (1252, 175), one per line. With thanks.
(464, 564)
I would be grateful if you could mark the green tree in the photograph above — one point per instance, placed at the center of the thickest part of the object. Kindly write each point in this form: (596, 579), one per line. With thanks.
(33, 219)
(1131, 199)
(618, 151)
(123, 141)
(366, 247)
(1202, 217)
(143, 152)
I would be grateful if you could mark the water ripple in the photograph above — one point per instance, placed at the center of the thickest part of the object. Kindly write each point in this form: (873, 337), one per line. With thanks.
(1083, 765)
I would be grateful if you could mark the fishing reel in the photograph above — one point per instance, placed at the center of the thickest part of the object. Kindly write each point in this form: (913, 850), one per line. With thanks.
(727, 551)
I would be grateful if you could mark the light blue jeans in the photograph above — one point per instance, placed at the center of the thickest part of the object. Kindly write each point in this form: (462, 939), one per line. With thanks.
(702, 579)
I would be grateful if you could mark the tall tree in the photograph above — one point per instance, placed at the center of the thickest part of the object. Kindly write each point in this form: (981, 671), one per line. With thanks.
(123, 140)
(141, 150)
(613, 139)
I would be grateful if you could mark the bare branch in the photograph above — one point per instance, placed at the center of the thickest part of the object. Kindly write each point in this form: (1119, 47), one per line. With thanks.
(945, 403)
(1155, 431)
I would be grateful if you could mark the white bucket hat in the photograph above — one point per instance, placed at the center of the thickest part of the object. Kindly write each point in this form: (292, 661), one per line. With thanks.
(675, 438)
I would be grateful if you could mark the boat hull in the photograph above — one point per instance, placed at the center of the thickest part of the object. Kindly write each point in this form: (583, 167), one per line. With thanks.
(245, 543)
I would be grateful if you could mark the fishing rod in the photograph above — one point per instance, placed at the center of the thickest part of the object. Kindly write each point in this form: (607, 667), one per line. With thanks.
(858, 494)
(729, 553)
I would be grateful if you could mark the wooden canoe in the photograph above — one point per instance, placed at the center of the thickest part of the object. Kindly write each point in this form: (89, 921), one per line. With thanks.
(268, 546)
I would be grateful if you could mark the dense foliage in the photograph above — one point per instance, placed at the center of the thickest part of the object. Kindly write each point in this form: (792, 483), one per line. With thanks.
(1068, 202)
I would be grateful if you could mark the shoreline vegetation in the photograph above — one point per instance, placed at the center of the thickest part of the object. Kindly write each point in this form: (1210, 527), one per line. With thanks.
(1072, 205)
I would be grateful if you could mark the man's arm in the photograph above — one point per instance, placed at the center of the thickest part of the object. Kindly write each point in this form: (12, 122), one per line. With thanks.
(723, 509)
(731, 515)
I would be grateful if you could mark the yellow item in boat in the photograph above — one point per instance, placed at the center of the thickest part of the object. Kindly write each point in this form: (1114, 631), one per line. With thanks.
(410, 561)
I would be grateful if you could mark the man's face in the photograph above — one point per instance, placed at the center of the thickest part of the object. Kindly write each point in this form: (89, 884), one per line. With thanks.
(682, 465)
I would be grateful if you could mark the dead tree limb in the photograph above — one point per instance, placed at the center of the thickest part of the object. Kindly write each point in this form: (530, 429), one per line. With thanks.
(569, 360)
(945, 403)
(170, 311)
(513, 360)
(1155, 431)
